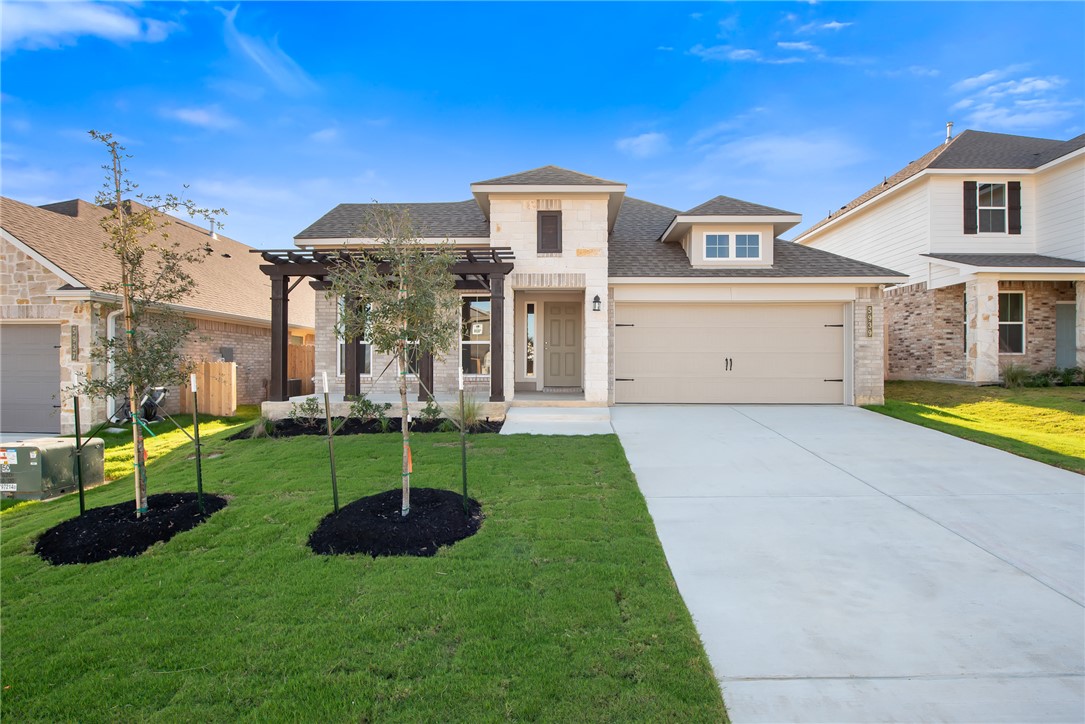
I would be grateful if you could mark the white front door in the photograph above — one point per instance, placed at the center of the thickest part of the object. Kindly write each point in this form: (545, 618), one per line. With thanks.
(562, 344)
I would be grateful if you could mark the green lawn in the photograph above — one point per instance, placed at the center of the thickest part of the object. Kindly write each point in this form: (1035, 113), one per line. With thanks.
(561, 608)
(1042, 423)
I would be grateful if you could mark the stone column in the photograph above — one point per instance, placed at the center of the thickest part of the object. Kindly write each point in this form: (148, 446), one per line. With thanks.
(868, 375)
(1079, 286)
(981, 335)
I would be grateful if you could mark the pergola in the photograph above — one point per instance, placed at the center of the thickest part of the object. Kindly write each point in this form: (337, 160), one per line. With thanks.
(477, 270)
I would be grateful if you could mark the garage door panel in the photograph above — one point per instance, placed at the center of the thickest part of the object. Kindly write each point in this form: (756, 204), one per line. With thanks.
(778, 353)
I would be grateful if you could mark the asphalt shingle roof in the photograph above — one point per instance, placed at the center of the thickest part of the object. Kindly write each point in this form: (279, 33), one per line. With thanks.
(635, 251)
(971, 149)
(1009, 260)
(457, 219)
(727, 206)
(229, 280)
(549, 176)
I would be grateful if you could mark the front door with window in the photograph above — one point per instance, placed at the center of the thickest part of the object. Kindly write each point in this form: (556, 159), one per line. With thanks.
(561, 344)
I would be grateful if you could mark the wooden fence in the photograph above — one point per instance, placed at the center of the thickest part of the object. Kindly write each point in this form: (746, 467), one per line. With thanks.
(216, 383)
(301, 365)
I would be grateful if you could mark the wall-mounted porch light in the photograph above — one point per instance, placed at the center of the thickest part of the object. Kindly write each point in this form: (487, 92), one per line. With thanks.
(596, 304)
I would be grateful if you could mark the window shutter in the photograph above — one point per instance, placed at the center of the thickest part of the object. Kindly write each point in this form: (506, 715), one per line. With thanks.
(1013, 206)
(970, 220)
(549, 232)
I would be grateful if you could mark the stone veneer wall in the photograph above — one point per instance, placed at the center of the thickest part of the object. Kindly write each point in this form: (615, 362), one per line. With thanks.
(925, 332)
(868, 375)
(1040, 304)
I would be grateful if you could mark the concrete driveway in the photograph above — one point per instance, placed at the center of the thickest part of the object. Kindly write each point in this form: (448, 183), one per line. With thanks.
(844, 566)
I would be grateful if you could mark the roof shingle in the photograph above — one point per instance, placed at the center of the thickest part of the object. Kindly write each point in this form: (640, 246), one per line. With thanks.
(727, 206)
(548, 176)
(457, 219)
(1023, 261)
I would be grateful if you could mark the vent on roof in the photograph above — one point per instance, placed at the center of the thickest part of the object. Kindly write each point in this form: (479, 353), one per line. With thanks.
(226, 256)
(949, 131)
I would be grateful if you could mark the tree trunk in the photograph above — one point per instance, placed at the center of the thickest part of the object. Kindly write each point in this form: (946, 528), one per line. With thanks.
(406, 508)
(139, 470)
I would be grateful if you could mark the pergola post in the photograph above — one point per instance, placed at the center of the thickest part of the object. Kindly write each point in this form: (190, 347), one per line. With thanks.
(280, 337)
(497, 337)
(425, 378)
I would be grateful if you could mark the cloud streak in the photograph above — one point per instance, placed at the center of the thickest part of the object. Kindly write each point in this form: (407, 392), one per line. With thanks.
(1002, 99)
(209, 117)
(268, 57)
(33, 26)
(646, 145)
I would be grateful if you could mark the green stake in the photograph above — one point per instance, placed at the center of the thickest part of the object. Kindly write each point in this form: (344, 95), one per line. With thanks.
(331, 445)
(463, 453)
(79, 458)
(199, 453)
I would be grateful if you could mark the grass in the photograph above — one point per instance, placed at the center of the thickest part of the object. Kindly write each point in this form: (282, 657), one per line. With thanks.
(561, 608)
(1041, 423)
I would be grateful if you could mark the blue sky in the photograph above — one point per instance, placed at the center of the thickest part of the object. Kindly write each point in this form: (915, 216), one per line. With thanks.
(278, 111)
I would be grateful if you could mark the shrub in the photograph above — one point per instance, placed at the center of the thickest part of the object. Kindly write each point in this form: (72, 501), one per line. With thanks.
(1070, 376)
(261, 428)
(1014, 375)
(430, 413)
(308, 414)
(472, 414)
(365, 409)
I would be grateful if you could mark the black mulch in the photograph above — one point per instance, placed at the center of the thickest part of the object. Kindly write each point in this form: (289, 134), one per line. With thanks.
(354, 426)
(114, 531)
(374, 525)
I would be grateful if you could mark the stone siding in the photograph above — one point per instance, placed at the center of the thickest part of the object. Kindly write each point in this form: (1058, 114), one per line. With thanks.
(869, 347)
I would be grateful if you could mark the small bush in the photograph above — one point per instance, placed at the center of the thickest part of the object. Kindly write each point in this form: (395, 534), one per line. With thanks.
(261, 428)
(363, 408)
(1070, 376)
(1014, 375)
(472, 414)
(308, 414)
(430, 413)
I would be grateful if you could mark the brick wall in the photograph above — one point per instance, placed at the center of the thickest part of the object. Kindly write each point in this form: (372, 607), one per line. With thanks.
(925, 332)
(1040, 302)
(869, 362)
(251, 351)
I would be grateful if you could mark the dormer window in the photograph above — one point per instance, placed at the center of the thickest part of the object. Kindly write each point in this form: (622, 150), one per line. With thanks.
(719, 246)
(549, 240)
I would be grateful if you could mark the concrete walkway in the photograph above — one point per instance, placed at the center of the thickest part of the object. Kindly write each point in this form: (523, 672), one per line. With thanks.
(842, 566)
(557, 421)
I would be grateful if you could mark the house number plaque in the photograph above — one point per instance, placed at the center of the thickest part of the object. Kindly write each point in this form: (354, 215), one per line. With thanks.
(75, 342)
(870, 321)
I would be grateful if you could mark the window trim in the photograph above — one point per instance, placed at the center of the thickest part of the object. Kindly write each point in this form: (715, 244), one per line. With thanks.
(1024, 318)
(1004, 208)
(731, 247)
(340, 350)
(531, 322)
(463, 342)
(540, 215)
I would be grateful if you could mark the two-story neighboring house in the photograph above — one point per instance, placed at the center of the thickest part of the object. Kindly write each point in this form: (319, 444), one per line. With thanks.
(990, 229)
(576, 292)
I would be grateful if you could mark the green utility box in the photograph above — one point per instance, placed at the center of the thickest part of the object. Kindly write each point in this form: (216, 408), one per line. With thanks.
(45, 467)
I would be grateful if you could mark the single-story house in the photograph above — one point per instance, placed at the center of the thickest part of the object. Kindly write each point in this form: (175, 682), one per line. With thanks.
(53, 272)
(990, 230)
(574, 291)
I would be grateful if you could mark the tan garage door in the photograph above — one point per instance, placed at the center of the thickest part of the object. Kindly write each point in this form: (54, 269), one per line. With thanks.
(29, 377)
(720, 353)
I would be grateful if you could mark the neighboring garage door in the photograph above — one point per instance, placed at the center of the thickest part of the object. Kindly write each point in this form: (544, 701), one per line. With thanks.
(720, 353)
(30, 365)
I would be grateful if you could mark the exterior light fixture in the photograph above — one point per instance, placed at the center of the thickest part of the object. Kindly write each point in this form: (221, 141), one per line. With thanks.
(596, 304)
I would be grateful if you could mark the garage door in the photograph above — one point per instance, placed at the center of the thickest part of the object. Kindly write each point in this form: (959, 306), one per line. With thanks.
(30, 365)
(721, 353)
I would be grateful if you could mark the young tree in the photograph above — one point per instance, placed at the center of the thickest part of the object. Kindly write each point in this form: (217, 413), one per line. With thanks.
(401, 297)
(154, 272)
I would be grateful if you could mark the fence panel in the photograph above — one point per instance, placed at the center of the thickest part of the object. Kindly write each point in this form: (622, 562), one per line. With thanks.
(216, 383)
(301, 365)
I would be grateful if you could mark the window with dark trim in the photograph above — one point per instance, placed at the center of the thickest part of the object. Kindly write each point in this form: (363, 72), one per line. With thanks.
(1011, 322)
(992, 208)
(549, 232)
(475, 336)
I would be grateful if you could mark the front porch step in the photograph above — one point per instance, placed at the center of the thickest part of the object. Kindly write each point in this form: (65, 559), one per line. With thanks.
(558, 414)
(556, 402)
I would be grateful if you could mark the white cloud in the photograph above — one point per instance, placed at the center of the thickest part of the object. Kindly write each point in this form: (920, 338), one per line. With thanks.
(831, 25)
(811, 152)
(723, 52)
(54, 25)
(325, 135)
(802, 45)
(279, 67)
(717, 129)
(998, 101)
(210, 117)
(646, 145)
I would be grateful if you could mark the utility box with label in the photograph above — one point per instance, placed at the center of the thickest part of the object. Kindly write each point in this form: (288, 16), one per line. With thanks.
(45, 467)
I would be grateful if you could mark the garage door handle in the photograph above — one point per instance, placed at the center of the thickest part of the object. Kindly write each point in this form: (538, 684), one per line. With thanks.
(625, 325)
(832, 380)
(834, 325)
(624, 379)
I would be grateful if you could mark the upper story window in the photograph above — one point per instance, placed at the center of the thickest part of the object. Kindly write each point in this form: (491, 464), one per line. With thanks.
(992, 208)
(549, 240)
(745, 246)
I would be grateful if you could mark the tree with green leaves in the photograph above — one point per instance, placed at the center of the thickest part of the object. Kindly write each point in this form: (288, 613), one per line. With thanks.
(399, 295)
(153, 273)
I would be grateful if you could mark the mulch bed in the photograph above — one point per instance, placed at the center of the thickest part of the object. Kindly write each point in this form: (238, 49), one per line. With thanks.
(114, 531)
(374, 526)
(354, 426)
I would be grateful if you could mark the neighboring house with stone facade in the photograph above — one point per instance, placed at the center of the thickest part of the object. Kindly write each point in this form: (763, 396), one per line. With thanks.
(53, 271)
(575, 293)
(990, 229)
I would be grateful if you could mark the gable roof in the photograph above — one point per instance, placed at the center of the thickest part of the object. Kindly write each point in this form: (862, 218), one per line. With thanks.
(636, 251)
(727, 206)
(456, 219)
(548, 176)
(969, 150)
(229, 281)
